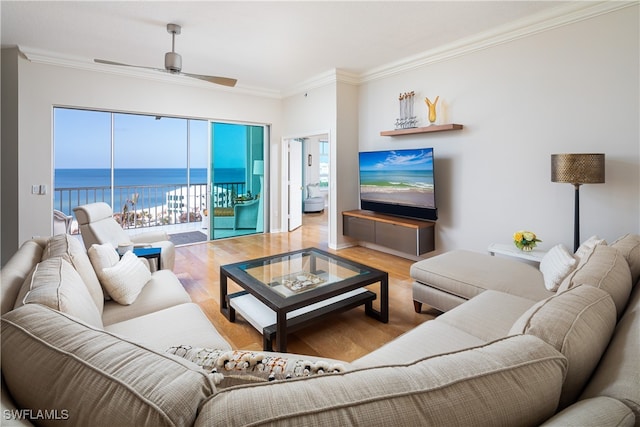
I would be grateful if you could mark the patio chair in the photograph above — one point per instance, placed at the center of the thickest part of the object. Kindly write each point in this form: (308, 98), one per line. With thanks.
(97, 225)
(246, 215)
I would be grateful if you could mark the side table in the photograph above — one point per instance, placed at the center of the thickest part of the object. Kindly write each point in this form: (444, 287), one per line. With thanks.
(149, 253)
(511, 250)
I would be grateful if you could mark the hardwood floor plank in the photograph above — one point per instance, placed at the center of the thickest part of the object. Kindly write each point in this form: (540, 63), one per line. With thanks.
(346, 336)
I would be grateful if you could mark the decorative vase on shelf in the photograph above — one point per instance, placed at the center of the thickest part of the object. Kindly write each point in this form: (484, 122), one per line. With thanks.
(527, 248)
(432, 109)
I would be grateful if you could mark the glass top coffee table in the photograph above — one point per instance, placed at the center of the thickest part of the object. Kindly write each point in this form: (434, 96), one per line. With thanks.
(287, 292)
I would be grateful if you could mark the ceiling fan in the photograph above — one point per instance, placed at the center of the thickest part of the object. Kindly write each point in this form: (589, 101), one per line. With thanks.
(173, 62)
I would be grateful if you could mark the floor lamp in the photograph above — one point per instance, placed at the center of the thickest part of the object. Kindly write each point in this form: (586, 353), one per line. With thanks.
(577, 169)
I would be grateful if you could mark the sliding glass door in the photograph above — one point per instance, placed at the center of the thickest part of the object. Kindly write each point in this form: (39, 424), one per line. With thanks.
(152, 170)
(237, 198)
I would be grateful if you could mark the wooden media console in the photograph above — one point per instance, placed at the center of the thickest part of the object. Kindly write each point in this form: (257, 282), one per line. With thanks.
(406, 235)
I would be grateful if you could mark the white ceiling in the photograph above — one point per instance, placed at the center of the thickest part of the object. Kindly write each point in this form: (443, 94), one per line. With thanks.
(271, 45)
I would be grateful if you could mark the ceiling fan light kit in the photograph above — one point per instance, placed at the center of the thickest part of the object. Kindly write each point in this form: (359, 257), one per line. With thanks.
(173, 62)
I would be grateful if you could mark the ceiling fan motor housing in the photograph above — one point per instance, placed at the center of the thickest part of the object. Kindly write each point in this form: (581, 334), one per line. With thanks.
(173, 62)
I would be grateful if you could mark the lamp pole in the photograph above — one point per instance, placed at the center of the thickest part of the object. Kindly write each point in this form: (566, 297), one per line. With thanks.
(576, 219)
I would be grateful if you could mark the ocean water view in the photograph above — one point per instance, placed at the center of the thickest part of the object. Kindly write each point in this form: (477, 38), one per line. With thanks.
(397, 178)
(73, 187)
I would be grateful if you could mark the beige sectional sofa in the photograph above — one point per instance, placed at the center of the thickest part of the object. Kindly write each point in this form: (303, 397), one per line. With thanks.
(497, 359)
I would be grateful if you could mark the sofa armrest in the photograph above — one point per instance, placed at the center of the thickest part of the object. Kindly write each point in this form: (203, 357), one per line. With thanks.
(596, 412)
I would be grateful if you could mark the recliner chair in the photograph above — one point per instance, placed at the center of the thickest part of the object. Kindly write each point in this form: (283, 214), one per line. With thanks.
(97, 225)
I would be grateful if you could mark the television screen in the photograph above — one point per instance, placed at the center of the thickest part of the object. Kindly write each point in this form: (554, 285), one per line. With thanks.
(398, 182)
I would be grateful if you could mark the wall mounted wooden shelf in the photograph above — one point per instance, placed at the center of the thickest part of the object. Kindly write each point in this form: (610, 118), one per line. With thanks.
(426, 129)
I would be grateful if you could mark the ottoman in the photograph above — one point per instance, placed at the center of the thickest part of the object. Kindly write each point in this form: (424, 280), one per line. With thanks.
(447, 280)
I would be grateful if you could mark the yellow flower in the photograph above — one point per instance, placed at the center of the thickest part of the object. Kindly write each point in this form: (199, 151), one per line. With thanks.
(517, 236)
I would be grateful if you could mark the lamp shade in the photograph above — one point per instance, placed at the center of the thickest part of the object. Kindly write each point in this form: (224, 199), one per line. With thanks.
(577, 168)
(258, 167)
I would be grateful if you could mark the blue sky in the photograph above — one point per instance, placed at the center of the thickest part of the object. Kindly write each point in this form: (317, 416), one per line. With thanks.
(82, 140)
(413, 159)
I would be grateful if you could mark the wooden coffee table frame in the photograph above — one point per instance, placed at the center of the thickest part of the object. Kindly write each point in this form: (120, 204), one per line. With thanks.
(282, 305)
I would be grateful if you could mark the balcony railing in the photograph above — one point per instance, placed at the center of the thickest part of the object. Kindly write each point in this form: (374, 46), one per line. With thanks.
(151, 205)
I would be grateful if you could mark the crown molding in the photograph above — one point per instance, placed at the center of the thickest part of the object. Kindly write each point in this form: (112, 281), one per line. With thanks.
(327, 78)
(557, 17)
(562, 15)
(48, 58)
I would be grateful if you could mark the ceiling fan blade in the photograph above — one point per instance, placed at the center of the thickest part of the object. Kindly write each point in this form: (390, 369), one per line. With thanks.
(224, 81)
(104, 61)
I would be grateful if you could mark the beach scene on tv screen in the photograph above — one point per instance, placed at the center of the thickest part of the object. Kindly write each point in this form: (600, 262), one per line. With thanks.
(398, 177)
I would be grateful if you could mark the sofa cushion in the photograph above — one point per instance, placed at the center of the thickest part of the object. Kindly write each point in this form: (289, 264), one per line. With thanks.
(427, 339)
(618, 375)
(578, 323)
(586, 246)
(629, 246)
(125, 280)
(489, 316)
(55, 283)
(183, 323)
(496, 384)
(113, 381)
(556, 264)
(162, 291)
(74, 252)
(606, 268)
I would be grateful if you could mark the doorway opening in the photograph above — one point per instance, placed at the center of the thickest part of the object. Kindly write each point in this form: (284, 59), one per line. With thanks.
(308, 181)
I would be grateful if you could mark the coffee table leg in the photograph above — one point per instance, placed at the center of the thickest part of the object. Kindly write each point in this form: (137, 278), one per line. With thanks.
(281, 331)
(383, 314)
(228, 311)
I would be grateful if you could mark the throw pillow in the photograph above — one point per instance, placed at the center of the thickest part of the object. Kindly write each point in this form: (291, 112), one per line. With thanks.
(313, 190)
(556, 265)
(629, 246)
(125, 280)
(587, 245)
(101, 257)
(233, 367)
(55, 283)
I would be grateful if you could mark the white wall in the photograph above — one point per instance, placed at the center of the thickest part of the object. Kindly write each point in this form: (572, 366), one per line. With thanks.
(43, 86)
(571, 89)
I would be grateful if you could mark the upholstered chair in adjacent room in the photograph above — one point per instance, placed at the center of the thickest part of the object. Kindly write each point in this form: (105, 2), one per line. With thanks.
(97, 225)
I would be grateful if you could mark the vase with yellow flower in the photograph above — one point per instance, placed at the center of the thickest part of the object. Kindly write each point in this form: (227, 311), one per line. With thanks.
(525, 240)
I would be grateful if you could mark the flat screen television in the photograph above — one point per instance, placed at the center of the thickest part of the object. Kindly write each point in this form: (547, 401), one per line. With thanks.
(398, 182)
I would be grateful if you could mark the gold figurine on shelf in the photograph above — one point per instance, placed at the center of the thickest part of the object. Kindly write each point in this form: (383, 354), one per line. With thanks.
(432, 109)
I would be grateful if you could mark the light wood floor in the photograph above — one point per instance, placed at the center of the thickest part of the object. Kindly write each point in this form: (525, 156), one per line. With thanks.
(347, 336)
